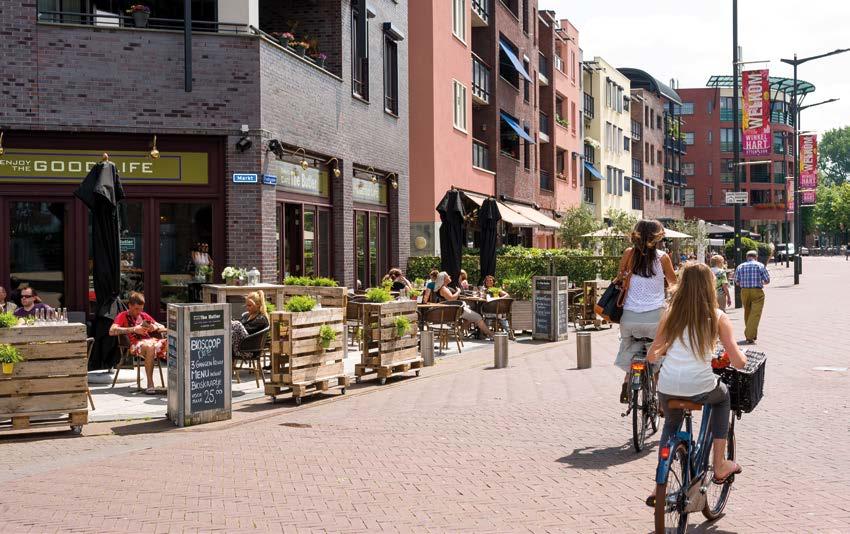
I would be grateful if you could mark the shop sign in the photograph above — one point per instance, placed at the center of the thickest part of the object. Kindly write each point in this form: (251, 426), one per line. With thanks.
(369, 192)
(756, 140)
(244, 178)
(71, 166)
(128, 244)
(808, 167)
(269, 179)
(309, 181)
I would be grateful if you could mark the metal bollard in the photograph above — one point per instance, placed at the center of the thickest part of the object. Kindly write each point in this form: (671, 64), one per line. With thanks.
(426, 347)
(500, 350)
(583, 350)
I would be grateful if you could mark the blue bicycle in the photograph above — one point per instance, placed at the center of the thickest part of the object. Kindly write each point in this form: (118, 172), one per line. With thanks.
(684, 475)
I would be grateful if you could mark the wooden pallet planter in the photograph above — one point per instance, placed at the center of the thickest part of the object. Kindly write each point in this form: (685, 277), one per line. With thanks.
(521, 315)
(384, 352)
(328, 297)
(49, 388)
(299, 362)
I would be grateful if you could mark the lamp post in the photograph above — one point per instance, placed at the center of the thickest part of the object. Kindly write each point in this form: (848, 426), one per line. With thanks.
(795, 110)
(735, 139)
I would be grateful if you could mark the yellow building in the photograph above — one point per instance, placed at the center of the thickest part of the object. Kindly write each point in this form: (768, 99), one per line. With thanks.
(607, 120)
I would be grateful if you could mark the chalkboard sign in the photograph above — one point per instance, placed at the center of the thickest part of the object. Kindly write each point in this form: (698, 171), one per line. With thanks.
(542, 314)
(206, 320)
(172, 353)
(542, 284)
(563, 313)
(207, 372)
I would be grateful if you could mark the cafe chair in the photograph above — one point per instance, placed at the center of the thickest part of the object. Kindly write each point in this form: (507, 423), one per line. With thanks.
(89, 345)
(127, 360)
(354, 318)
(251, 350)
(445, 321)
(462, 328)
(497, 310)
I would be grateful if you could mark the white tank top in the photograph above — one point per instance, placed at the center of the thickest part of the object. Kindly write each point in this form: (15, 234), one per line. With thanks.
(683, 374)
(646, 294)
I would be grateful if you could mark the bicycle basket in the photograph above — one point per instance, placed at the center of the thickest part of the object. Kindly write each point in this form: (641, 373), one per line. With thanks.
(746, 386)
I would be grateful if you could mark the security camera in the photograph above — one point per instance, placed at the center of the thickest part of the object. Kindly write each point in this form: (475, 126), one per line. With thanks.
(244, 144)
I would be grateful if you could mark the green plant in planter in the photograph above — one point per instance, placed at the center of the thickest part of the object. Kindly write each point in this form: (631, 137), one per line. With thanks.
(518, 287)
(419, 282)
(378, 295)
(414, 293)
(323, 282)
(296, 281)
(326, 335)
(387, 284)
(8, 320)
(9, 356)
(402, 326)
(494, 291)
(270, 308)
(300, 303)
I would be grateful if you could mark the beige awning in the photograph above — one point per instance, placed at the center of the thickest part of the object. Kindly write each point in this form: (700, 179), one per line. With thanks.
(508, 215)
(528, 212)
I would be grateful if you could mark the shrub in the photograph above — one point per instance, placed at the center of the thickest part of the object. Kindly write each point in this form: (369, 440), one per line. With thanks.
(494, 291)
(402, 325)
(270, 308)
(300, 303)
(326, 335)
(378, 295)
(323, 282)
(10, 354)
(747, 244)
(518, 287)
(8, 320)
(296, 281)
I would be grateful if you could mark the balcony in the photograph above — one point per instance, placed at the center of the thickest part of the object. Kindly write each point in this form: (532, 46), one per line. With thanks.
(672, 177)
(637, 131)
(543, 71)
(780, 117)
(546, 183)
(589, 154)
(115, 20)
(637, 197)
(480, 81)
(480, 155)
(544, 128)
(588, 107)
(480, 13)
(637, 168)
(726, 146)
(727, 116)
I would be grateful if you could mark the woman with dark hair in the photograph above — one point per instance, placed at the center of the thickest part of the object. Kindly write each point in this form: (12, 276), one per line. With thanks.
(647, 269)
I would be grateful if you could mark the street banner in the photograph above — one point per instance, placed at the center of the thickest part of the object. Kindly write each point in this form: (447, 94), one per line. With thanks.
(756, 139)
(808, 168)
(789, 194)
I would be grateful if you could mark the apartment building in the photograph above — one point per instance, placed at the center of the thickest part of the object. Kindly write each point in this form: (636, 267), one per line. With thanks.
(273, 156)
(607, 142)
(708, 114)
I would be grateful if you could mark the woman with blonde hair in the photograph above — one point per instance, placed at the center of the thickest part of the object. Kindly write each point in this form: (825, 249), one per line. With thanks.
(255, 318)
(686, 340)
(442, 292)
(721, 281)
(646, 269)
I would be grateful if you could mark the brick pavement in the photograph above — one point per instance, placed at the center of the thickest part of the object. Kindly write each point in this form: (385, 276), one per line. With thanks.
(537, 447)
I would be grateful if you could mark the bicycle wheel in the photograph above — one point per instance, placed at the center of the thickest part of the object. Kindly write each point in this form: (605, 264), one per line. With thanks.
(670, 514)
(717, 495)
(640, 418)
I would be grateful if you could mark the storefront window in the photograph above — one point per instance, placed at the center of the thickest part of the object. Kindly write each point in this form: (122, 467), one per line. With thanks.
(309, 242)
(183, 229)
(324, 243)
(37, 249)
(372, 231)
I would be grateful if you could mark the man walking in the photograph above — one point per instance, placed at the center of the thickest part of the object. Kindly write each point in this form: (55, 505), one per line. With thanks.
(751, 276)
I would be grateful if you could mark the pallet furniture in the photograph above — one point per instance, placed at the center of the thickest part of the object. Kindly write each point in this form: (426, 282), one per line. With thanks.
(223, 293)
(587, 316)
(299, 362)
(385, 353)
(328, 297)
(50, 387)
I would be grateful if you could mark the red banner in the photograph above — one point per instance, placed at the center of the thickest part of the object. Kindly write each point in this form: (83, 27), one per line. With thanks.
(789, 193)
(808, 168)
(756, 140)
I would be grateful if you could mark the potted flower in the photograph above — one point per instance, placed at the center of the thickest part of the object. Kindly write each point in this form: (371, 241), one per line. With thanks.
(326, 336)
(301, 47)
(9, 356)
(414, 293)
(285, 38)
(378, 295)
(140, 13)
(300, 303)
(319, 58)
(203, 273)
(8, 320)
(232, 275)
(494, 292)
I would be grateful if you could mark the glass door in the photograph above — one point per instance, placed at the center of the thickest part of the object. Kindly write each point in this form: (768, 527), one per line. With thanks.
(37, 251)
(371, 237)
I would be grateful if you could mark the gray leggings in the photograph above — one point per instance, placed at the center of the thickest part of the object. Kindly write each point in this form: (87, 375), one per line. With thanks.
(718, 398)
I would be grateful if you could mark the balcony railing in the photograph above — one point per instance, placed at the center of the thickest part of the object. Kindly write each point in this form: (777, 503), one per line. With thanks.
(637, 168)
(544, 124)
(546, 181)
(780, 117)
(588, 106)
(113, 20)
(726, 146)
(637, 131)
(480, 155)
(726, 115)
(480, 81)
(543, 66)
(481, 10)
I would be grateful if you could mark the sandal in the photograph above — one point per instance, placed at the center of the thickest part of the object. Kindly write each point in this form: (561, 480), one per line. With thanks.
(720, 481)
(150, 391)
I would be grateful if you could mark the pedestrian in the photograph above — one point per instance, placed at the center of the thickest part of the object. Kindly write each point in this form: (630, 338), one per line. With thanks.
(750, 279)
(846, 252)
(718, 267)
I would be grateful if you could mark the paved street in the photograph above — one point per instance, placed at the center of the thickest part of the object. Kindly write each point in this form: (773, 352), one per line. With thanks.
(538, 447)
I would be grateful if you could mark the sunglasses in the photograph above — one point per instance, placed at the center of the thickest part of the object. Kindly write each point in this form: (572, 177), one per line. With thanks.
(27, 296)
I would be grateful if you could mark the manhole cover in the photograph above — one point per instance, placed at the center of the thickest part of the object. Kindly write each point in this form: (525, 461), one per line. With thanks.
(833, 369)
(297, 425)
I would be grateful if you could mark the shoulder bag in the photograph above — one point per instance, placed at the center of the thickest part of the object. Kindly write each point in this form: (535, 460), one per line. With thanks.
(610, 305)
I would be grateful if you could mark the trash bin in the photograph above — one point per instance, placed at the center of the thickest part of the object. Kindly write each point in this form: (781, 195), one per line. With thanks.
(500, 350)
(583, 350)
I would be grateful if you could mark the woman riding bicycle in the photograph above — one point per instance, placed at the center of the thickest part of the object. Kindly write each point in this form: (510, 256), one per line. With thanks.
(686, 339)
(649, 269)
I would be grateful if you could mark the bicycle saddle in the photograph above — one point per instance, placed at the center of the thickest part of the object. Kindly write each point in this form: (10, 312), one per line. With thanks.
(682, 404)
(643, 339)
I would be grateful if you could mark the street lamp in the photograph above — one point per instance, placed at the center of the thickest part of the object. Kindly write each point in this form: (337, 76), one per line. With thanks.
(798, 231)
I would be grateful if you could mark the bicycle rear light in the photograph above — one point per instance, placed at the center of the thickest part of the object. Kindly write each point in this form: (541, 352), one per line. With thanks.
(665, 453)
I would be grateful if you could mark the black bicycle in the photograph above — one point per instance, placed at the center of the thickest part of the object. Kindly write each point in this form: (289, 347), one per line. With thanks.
(643, 400)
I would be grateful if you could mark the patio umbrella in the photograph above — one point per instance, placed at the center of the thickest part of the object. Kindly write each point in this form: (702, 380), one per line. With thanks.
(101, 191)
(488, 221)
(610, 232)
(452, 214)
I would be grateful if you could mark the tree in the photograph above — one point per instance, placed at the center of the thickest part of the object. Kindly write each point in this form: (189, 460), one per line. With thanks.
(577, 221)
(834, 155)
(622, 222)
(832, 210)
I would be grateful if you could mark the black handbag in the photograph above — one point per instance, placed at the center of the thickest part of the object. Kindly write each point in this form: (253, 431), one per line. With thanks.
(610, 305)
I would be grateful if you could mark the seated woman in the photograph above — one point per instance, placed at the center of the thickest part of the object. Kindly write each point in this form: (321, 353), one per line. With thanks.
(398, 280)
(443, 292)
(252, 321)
(463, 281)
(138, 327)
(490, 281)
(429, 286)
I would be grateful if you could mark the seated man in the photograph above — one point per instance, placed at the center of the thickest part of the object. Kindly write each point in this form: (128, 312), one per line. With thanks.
(138, 326)
(30, 303)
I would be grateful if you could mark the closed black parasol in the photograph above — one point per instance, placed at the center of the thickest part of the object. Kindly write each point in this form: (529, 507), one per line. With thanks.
(452, 214)
(488, 222)
(101, 191)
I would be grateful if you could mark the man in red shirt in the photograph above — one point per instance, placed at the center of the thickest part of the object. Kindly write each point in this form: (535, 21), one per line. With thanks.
(138, 326)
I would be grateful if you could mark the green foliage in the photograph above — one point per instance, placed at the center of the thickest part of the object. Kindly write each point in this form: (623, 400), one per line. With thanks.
(402, 325)
(308, 281)
(300, 303)
(8, 320)
(386, 284)
(270, 308)
(10, 354)
(834, 155)
(518, 287)
(378, 295)
(326, 335)
(747, 244)
(576, 222)
(692, 228)
(494, 291)
(832, 210)
(414, 293)
(419, 282)
(622, 222)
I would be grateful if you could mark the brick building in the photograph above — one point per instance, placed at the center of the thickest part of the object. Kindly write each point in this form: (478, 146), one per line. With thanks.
(77, 85)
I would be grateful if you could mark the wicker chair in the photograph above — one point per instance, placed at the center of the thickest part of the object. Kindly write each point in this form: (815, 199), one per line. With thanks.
(496, 311)
(128, 360)
(445, 321)
(251, 350)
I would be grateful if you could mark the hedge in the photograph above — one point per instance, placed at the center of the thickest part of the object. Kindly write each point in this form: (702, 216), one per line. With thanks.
(747, 244)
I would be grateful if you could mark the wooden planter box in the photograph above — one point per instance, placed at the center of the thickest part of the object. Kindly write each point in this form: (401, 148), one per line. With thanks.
(299, 361)
(328, 297)
(49, 388)
(521, 315)
(384, 352)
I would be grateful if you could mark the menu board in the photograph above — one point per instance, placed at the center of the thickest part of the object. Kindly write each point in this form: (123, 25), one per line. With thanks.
(542, 313)
(207, 372)
(563, 312)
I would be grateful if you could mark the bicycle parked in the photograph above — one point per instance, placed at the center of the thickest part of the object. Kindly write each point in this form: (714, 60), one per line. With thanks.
(643, 401)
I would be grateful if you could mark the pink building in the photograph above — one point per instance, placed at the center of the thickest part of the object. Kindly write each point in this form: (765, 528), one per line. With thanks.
(569, 145)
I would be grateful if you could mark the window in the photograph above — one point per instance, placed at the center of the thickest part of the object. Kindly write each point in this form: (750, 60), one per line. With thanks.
(759, 196)
(507, 70)
(687, 108)
(710, 167)
(658, 121)
(626, 103)
(652, 154)
(588, 195)
(390, 75)
(573, 65)
(688, 169)
(726, 141)
(559, 107)
(573, 117)
(610, 188)
(508, 139)
(646, 153)
(560, 163)
(459, 105)
(710, 108)
(689, 138)
(689, 198)
(760, 173)
(526, 149)
(618, 141)
(709, 136)
(459, 19)
(779, 171)
(181, 225)
(778, 143)
(658, 157)
(626, 143)
(709, 192)
(371, 238)
(525, 16)
(651, 121)
(526, 91)
(653, 190)
(513, 6)
(359, 50)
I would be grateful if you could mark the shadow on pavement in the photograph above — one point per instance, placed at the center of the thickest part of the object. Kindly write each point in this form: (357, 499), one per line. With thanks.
(146, 427)
(603, 458)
